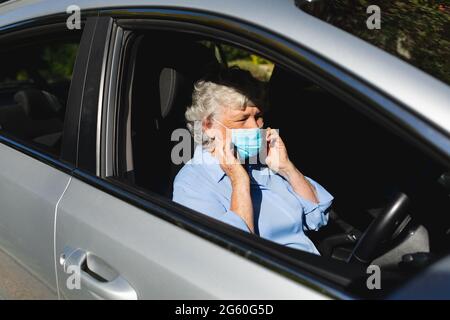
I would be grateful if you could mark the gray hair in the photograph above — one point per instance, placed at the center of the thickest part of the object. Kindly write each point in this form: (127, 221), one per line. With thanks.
(233, 88)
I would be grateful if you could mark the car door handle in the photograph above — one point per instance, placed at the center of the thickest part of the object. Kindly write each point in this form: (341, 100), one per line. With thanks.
(96, 276)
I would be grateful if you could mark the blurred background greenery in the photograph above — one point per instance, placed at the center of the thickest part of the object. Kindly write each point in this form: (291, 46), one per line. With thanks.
(259, 67)
(417, 31)
(62, 59)
(44, 64)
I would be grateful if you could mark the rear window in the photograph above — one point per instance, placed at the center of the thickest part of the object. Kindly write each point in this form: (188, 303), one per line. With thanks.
(416, 31)
(35, 77)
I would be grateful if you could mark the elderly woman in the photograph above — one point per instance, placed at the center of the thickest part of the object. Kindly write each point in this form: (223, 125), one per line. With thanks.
(271, 197)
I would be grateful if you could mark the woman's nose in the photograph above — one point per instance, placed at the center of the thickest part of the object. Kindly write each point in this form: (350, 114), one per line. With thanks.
(252, 122)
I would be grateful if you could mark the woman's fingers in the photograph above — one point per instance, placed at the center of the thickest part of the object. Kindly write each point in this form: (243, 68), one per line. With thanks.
(227, 150)
(272, 137)
(268, 132)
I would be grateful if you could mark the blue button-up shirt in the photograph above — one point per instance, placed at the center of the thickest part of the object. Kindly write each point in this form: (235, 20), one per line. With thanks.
(280, 214)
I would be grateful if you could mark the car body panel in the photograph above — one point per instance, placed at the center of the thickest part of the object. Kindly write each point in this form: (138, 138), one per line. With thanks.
(432, 284)
(17, 282)
(148, 253)
(29, 191)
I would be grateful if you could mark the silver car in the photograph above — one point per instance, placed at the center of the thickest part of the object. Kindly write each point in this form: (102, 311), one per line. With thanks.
(91, 92)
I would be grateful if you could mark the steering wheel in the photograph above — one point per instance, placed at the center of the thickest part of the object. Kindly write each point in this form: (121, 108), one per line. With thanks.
(382, 228)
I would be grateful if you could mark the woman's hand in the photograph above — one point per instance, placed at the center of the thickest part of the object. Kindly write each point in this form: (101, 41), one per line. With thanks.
(229, 163)
(277, 160)
(277, 157)
(241, 201)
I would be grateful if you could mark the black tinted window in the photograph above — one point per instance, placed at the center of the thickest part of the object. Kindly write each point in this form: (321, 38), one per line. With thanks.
(35, 77)
(414, 30)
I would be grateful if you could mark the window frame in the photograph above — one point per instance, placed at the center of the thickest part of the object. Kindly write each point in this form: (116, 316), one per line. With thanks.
(290, 55)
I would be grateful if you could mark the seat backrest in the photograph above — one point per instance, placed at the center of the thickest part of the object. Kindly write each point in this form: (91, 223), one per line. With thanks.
(34, 116)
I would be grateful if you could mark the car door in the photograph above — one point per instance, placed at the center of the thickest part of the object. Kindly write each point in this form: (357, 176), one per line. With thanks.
(114, 244)
(29, 191)
(116, 241)
(33, 169)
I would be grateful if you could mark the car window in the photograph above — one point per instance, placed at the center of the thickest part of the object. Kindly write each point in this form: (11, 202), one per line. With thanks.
(35, 76)
(417, 32)
(359, 161)
(166, 115)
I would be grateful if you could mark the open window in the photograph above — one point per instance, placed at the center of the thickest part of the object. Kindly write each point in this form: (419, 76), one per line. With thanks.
(372, 171)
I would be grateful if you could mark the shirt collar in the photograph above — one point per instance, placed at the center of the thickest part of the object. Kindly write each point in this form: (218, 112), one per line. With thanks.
(210, 163)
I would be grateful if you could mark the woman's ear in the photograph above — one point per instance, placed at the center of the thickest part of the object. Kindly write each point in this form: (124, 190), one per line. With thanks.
(207, 126)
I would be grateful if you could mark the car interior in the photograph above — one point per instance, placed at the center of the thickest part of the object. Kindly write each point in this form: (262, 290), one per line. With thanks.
(32, 97)
(392, 204)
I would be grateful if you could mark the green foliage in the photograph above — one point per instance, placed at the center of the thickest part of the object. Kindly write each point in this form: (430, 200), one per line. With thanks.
(417, 31)
(58, 62)
(259, 67)
(261, 71)
(233, 53)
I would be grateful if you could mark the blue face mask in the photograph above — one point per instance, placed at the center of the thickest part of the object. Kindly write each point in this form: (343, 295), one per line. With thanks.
(248, 142)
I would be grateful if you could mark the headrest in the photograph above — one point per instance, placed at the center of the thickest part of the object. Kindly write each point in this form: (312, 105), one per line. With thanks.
(38, 104)
(177, 65)
(176, 78)
(171, 83)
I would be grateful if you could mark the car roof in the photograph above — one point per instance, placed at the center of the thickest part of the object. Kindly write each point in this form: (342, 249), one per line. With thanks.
(412, 87)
